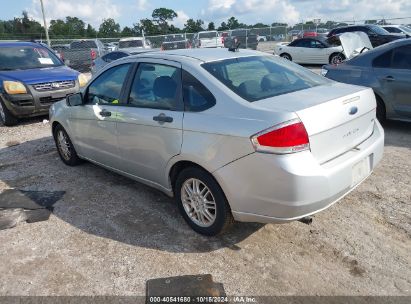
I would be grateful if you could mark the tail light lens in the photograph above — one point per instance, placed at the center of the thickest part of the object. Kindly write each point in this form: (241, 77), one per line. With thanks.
(93, 54)
(222, 40)
(288, 137)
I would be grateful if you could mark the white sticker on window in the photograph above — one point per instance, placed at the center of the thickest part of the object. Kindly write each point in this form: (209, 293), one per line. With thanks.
(46, 61)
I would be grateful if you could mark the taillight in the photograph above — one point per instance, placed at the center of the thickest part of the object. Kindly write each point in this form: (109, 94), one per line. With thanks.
(288, 137)
(222, 40)
(93, 54)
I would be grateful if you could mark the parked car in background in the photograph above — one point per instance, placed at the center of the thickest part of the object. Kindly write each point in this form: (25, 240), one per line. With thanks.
(101, 62)
(307, 33)
(175, 41)
(378, 35)
(293, 34)
(207, 39)
(110, 46)
(246, 38)
(261, 38)
(81, 53)
(32, 78)
(132, 44)
(232, 135)
(310, 51)
(398, 29)
(322, 32)
(387, 70)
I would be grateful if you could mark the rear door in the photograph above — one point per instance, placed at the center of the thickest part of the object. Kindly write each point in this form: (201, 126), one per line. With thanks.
(150, 127)
(94, 123)
(393, 70)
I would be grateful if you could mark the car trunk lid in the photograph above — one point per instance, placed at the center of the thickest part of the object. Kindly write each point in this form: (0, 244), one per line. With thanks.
(337, 117)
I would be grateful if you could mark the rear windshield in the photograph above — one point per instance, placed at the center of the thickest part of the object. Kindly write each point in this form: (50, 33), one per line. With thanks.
(88, 44)
(208, 35)
(27, 57)
(130, 44)
(259, 77)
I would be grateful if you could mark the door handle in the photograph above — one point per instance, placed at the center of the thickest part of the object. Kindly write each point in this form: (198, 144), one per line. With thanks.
(389, 78)
(163, 118)
(105, 113)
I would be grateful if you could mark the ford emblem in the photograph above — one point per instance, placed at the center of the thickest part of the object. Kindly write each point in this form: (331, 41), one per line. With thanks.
(353, 110)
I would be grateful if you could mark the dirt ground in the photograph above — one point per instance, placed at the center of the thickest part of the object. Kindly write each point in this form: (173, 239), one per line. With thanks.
(108, 235)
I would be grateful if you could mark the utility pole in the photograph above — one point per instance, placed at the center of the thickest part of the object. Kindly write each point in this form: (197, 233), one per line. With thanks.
(45, 24)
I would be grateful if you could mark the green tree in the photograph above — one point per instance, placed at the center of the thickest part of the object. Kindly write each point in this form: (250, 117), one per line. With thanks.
(211, 26)
(148, 27)
(193, 26)
(90, 31)
(161, 16)
(233, 23)
(223, 27)
(58, 28)
(75, 26)
(128, 32)
(109, 28)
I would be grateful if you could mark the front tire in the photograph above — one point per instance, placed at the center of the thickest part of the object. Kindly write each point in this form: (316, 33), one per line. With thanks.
(201, 202)
(65, 147)
(286, 56)
(381, 111)
(337, 58)
(6, 118)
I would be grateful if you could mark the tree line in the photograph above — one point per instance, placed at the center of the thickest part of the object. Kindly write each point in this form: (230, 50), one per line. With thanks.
(160, 23)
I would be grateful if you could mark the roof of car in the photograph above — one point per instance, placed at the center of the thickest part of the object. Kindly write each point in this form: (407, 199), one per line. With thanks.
(204, 55)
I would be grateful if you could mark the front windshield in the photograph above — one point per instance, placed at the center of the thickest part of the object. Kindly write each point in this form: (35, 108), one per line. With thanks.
(259, 77)
(27, 57)
(379, 30)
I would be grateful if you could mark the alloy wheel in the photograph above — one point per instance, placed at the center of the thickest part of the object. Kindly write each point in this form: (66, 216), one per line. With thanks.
(63, 145)
(198, 202)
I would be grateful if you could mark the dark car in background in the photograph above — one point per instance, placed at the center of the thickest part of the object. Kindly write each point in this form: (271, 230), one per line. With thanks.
(81, 53)
(175, 42)
(101, 62)
(32, 78)
(246, 38)
(386, 69)
(378, 36)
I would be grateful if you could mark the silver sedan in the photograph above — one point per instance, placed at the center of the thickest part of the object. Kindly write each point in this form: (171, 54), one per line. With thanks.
(239, 135)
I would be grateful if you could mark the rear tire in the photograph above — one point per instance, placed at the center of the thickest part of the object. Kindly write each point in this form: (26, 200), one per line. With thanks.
(381, 112)
(286, 56)
(6, 118)
(65, 147)
(201, 202)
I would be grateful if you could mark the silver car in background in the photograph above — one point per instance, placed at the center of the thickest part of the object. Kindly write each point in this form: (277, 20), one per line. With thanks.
(232, 135)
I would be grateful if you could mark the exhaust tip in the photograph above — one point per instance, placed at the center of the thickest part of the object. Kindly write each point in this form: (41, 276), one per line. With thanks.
(306, 220)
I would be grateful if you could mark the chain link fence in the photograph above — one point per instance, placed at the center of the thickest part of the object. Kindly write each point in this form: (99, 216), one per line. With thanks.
(82, 54)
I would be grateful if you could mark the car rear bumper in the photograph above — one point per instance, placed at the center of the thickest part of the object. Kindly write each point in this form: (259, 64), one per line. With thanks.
(281, 188)
(35, 103)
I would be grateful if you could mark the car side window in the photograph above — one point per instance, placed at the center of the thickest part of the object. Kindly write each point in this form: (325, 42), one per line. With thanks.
(383, 61)
(106, 89)
(156, 86)
(402, 58)
(196, 96)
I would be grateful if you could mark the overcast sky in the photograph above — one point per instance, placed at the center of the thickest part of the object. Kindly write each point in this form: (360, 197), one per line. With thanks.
(127, 12)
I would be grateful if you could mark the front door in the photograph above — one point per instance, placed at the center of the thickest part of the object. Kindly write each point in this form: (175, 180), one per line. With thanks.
(395, 80)
(94, 123)
(150, 127)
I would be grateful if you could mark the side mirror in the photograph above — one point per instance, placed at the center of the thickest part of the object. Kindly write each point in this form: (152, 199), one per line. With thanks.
(75, 99)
